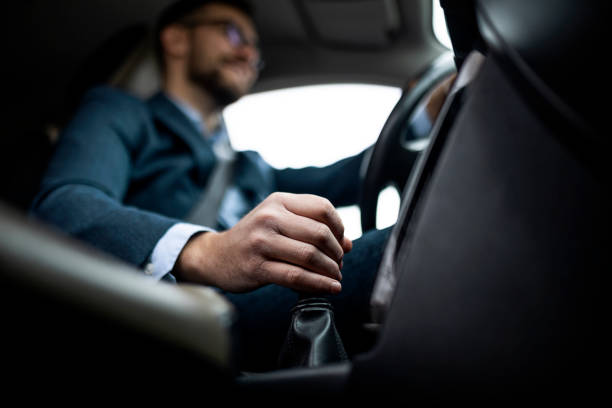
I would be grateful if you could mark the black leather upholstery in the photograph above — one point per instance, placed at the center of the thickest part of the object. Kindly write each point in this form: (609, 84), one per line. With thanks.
(553, 52)
(312, 339)
(462, 25)
(557, 45)
(502, 270)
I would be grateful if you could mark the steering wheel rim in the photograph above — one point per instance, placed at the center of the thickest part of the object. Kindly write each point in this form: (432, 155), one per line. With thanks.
(391, 159)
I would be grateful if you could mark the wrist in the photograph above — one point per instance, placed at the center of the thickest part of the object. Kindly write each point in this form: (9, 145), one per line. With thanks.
(192, 264)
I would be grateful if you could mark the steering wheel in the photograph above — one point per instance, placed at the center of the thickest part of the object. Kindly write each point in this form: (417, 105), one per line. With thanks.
(403, 137)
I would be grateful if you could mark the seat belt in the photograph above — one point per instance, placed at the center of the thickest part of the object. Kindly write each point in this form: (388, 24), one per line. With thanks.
(206, 210)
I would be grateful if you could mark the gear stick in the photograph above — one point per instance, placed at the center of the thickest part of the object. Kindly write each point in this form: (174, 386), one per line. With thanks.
(312, 339)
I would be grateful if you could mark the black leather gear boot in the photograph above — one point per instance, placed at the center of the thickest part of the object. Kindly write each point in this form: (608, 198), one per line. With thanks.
(312, 339)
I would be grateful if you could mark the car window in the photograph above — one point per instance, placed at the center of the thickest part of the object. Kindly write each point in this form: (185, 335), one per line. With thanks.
(439, 25)
(316, 126)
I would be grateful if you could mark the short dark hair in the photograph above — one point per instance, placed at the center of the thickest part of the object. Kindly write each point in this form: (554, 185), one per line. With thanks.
(180, 9)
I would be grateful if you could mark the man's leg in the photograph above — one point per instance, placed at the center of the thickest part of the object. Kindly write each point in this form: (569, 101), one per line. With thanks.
(264, 314)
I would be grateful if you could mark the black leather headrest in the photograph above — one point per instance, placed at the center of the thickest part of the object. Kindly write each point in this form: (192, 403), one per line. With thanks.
(559, 47)
(462, 25)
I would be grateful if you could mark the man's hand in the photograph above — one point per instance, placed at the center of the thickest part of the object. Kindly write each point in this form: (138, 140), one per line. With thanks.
(291, 240)
(438, 96)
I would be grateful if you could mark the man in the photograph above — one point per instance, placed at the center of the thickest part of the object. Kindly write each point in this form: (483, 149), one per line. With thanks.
(127, 174)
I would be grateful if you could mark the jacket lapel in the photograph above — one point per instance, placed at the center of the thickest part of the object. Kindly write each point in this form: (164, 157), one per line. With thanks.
(166, 114)
(252, 174)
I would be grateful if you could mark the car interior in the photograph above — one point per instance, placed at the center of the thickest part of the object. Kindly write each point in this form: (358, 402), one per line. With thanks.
(490, 287)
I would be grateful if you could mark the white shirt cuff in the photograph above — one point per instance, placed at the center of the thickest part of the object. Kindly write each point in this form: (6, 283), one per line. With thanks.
(169, 247)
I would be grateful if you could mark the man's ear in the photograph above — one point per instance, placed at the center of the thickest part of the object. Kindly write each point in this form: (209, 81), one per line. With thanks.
(174, 41)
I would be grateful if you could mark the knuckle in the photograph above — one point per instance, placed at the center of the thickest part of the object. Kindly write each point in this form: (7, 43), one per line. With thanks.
(328, 213)
(328, 208)
(258, 242)
(262, 270)
(293, 277)
(321, 234)
(340, 230)
(307, 254)
(322, 284)
(276, 196)
(266, 218)
(332, 269)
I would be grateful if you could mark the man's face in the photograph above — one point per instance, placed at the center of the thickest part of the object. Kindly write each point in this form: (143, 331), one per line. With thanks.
(223, 54)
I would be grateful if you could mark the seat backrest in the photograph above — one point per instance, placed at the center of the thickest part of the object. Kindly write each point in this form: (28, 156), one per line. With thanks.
(126, 60)
(503, 261)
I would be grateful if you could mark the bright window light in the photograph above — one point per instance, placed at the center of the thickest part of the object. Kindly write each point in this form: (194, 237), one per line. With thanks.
(312, 126)
(388, 207)
(439, 25)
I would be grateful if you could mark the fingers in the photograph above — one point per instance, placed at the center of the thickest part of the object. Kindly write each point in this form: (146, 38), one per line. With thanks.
(312, 232)
(296, 241)
(297, 278)
(316, 208)
(347, 244)
(305, 255)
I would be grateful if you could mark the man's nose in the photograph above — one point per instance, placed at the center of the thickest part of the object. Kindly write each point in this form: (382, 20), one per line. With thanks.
(248, 53)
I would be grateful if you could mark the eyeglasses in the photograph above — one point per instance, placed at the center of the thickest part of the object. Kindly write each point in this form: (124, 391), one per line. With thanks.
(234, 35)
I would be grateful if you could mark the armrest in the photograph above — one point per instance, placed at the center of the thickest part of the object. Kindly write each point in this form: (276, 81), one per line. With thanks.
(193, 318)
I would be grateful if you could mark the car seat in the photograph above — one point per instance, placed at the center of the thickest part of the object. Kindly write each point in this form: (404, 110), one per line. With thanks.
(503, 254)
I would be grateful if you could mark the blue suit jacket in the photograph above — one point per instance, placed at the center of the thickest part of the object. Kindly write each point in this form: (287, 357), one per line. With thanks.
(125, 171)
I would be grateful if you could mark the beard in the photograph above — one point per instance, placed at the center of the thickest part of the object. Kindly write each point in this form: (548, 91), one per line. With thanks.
(212, 82)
